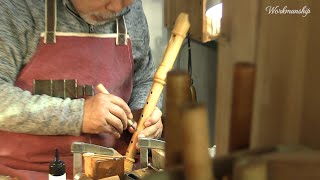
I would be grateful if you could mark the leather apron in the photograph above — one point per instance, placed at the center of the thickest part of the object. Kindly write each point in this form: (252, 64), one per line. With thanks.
(89, 58)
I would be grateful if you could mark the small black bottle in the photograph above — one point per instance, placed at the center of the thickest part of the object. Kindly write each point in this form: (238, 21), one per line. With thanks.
(57, 168)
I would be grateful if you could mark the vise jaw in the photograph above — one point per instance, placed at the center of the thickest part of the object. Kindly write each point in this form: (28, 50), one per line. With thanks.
(79, 148)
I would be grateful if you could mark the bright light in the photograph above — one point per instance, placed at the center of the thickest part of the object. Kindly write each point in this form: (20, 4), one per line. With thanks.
(215, 12)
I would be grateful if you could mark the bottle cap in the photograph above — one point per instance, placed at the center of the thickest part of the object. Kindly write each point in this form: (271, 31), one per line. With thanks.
(57, 167)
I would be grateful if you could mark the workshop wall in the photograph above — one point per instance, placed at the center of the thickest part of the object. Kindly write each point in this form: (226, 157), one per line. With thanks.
(204, 57)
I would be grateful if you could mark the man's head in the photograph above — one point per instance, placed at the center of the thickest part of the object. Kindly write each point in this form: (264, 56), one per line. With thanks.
(99, 11)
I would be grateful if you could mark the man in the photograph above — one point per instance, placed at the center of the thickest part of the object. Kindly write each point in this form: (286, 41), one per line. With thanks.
(86, 44)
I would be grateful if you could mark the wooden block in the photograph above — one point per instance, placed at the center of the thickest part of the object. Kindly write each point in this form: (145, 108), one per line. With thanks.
(102, 166)
(158, 158)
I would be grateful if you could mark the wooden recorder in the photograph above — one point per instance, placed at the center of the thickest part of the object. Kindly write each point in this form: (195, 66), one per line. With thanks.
(179, 32)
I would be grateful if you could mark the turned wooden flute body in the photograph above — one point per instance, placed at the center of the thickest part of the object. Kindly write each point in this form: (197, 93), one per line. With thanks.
(179, 32)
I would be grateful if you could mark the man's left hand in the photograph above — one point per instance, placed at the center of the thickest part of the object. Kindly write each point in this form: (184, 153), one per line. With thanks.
(153, 125)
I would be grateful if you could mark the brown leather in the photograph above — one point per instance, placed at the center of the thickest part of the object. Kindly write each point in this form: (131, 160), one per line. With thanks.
(51, 21)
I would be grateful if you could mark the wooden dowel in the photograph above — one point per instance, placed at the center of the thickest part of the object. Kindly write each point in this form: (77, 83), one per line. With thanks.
(177, 93)
(197, 163)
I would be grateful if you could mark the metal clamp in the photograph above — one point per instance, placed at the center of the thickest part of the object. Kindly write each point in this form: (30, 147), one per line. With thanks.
(145, 144)
(78, 148)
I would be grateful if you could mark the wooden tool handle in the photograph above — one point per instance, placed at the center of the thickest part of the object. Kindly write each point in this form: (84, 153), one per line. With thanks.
(179, 32)
(102, 89)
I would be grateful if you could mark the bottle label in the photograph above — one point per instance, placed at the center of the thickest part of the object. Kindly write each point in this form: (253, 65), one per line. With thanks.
(62, 177)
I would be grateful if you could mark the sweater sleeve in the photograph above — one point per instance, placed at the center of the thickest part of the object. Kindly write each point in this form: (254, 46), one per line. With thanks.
(144, 67)
(20, 111)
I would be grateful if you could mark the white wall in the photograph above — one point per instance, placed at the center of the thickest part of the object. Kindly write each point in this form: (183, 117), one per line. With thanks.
(203, 57)
(158, 33)
(203, 74)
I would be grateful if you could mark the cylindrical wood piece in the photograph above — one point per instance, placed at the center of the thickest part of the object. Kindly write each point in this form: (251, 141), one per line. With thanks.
(242, 101)
(177, 93)
(179, 32)
(197, 163)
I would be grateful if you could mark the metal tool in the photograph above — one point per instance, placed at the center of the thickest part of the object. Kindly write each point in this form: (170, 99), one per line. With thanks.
(145, 144)
(78, 148)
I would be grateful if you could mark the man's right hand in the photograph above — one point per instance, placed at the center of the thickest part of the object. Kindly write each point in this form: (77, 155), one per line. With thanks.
(105, 113)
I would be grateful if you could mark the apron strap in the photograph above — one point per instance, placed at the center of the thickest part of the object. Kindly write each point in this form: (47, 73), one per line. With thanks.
(51, 15)
(50, 26)
(122, 37)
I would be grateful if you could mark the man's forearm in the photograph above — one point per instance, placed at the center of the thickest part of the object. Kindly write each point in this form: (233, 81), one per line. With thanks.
(22, 112)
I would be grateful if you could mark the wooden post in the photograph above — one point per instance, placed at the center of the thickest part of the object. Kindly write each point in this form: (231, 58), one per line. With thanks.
(177, 93)
(197, 163)
(242, 102)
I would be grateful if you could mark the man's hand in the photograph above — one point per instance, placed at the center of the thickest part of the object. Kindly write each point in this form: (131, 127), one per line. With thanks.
(105, 113)
(153, 125)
